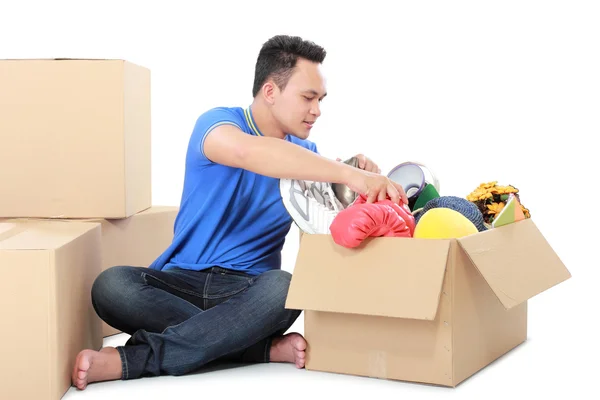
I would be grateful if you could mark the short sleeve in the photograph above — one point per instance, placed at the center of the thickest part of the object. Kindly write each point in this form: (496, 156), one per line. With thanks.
(310, 146)
(307, 144)
(206, 123)
(313, 147)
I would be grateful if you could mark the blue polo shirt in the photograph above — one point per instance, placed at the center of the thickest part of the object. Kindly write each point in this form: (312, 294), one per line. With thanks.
(228, 217)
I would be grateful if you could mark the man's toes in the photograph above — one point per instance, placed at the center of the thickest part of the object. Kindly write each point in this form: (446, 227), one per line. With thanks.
(84, 363)
(300, 358)
(75, 372)
(299, 343)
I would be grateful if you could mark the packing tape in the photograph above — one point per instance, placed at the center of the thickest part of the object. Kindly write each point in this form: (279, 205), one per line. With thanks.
(378, 364)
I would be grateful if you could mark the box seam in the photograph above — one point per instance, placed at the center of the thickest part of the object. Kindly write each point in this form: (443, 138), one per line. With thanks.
(452, 307)
(474, 264)
(51, 332)
(125, 211)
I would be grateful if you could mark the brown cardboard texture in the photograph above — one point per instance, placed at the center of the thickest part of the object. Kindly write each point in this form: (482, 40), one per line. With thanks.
(75, 138)
(134, 241)
(422, 310)
(47, 272)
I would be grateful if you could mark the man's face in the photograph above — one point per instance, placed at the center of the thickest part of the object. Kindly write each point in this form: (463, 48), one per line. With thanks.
(297, 107)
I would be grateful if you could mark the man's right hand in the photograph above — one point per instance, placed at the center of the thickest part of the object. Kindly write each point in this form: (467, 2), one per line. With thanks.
(375, 187)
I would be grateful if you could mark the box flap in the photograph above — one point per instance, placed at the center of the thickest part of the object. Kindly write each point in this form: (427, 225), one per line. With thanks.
(515, 260)
(39, 235)
(384, 276)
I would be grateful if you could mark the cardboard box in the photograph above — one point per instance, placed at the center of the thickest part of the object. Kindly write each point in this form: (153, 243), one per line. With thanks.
(135, 241)
(75, 138)
(47, 272)
(422, 310)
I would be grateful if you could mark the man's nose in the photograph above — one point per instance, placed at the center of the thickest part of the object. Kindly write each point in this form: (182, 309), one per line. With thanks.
(316, 109)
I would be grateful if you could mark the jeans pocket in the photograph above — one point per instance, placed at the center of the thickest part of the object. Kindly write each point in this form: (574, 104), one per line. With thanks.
(222, 285)
(189, 295)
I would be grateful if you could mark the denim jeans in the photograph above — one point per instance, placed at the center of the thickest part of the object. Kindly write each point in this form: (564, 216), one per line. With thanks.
(181, 320)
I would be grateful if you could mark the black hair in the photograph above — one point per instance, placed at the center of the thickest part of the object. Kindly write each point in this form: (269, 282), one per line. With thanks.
(278, 57)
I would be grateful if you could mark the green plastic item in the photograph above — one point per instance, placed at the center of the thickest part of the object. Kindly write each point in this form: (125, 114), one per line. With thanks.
(427, 194)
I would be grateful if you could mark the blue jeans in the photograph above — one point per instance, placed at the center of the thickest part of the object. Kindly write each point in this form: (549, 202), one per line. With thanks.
(181, 320)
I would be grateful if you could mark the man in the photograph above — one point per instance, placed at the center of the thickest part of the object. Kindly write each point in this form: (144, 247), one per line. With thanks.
(218, 292)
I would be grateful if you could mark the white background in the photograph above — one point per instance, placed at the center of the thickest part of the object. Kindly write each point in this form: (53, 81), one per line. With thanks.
(472, 89)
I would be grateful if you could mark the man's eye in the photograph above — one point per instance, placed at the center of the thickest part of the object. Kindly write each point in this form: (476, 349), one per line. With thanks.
(308, 98)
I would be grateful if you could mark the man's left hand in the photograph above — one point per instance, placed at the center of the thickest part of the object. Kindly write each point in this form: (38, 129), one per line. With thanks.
(366, 163)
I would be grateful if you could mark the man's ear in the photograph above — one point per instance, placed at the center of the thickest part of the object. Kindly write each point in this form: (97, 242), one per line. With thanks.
(269, 89)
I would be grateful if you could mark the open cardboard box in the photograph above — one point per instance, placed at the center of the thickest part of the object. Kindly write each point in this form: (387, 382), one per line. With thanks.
(423, 310)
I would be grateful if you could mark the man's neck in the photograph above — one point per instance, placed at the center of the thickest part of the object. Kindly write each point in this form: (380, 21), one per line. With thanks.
(264, 120)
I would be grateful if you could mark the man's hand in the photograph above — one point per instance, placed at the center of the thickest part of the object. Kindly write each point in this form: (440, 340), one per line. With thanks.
(366, 163)
(368, 181)
(376, 187)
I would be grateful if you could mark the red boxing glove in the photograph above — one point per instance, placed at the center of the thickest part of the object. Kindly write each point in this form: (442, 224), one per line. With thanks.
(354, 224)
(402, 210)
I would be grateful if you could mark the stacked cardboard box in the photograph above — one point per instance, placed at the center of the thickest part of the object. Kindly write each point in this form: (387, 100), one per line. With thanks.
(75, 199)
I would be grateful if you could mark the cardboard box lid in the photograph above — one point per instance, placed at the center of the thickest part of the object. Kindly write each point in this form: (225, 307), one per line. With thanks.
(39, 235)
(62, 59)
(70, 59)
(384, 276)
(152, 210)
(515, 260)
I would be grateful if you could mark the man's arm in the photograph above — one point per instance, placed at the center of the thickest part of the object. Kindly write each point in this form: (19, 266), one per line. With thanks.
(272, 157)
(278, 158)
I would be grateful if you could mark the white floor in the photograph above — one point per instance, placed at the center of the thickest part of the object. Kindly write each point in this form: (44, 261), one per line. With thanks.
(560, 358)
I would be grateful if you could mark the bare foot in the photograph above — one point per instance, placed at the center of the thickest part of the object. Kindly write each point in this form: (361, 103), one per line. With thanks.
(93, 366)
(289, 348)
